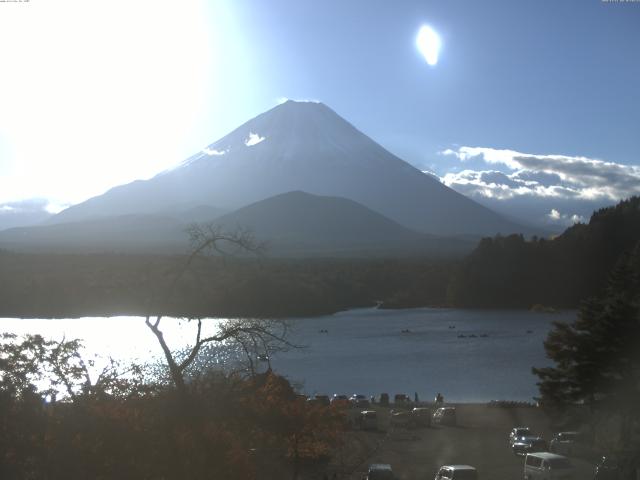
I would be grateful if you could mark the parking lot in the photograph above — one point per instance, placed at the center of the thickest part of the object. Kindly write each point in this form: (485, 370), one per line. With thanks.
(480, 439)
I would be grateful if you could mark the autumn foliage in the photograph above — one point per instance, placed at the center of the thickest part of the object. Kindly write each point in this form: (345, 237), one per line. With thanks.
(226, 426)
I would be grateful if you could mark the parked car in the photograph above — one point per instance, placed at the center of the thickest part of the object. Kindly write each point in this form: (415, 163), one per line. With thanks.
(518, 433)
(359, 400)
(529, 444)
(380, 471)
(402, 419)
(421, 416)
(338, 399)
(547, 466)
(608, 468)
(401, 399)
(445, 416)
(319, 400)
(368, 420)
(457, 472)
(571, 444)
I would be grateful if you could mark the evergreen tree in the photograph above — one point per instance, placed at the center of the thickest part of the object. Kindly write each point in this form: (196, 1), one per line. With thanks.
(598, 356)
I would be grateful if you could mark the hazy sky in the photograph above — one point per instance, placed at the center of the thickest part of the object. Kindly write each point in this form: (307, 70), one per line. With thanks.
(529, 100)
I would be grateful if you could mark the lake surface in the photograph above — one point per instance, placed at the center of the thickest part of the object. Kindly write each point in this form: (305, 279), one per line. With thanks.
(364, 351)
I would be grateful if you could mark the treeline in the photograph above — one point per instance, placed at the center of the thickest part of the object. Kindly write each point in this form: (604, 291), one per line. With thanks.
(502, 272)
(39, 285)
(514, 272)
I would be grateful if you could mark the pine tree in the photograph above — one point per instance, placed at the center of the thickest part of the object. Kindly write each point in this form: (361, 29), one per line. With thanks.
(597, 357)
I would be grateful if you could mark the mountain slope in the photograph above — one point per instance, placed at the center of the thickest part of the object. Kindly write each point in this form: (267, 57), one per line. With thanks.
(300, 146)
(293, 224)
(139, 233)
(298, 222)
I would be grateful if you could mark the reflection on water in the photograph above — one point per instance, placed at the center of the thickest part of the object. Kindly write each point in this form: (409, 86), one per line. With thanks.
(468, 355)
(123, 338)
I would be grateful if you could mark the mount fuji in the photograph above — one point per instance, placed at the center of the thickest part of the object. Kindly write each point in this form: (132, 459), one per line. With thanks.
(298, 146)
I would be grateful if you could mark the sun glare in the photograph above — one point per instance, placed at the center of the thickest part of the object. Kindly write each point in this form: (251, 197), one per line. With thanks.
(429, 44)
(99, 91)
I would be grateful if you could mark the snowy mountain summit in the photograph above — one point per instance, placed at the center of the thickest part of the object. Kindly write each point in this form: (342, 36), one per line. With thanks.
(300, 146)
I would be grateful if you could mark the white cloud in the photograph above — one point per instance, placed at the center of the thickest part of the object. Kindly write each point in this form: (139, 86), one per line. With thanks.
(554, 214)
(489, 155)
(502, 186)
(564, 218)
(54, 208)
(32, 205)
(431, 174)
(281, 100)
(253, 139)
(558, 176)
(213, 151)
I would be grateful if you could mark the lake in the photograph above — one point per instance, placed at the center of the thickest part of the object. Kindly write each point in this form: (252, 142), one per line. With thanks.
(367, 351)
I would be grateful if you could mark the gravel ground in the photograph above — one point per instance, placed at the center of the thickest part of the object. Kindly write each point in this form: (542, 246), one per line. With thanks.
(480, 439)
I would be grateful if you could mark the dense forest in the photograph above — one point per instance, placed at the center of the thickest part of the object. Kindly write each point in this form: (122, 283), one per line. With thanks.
(38, 285)
(514, 272)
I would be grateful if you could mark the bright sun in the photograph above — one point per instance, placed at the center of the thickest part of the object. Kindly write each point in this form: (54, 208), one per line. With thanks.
(428, 43)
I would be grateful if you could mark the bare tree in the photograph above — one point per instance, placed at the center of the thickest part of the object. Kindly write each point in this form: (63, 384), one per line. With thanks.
(252, 335)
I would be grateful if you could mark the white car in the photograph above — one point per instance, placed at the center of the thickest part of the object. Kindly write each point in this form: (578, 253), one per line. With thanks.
(547, 466)
(457, 472)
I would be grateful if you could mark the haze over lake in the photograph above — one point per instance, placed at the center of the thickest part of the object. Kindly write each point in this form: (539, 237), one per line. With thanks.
(365, 350)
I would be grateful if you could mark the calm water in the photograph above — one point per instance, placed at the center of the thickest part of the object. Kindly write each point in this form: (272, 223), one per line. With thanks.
(363, 351)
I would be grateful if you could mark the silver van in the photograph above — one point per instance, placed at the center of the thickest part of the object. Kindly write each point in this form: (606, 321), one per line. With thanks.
(547, 466)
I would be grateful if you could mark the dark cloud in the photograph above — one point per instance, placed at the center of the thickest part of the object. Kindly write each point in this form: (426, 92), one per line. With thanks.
(498, 178)
(542, 178)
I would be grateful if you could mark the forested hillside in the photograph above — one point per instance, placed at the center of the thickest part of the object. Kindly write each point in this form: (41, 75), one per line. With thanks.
(514, 272)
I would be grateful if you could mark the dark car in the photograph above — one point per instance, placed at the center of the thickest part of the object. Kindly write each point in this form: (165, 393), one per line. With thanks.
(570, 444)
(359, 400)
(319, 400)
(380, 471)
(445, 416)
(529, 444)
(421, 416)
(339, 400)
(401, 399)
(518, 433)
